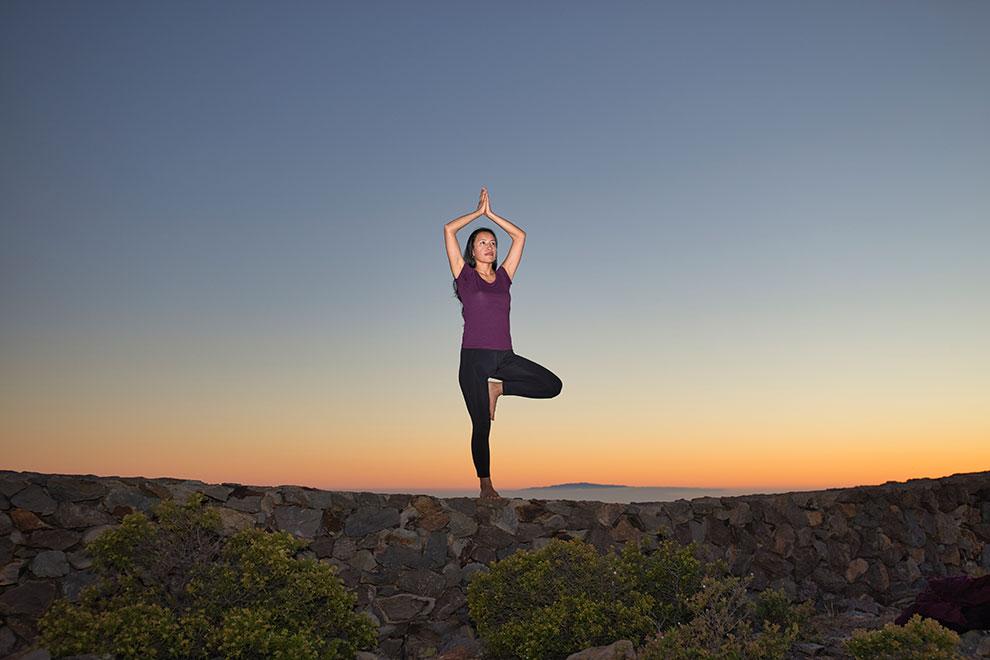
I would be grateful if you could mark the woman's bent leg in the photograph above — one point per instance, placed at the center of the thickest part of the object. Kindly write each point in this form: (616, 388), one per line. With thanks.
(523, 377)
(476, 365)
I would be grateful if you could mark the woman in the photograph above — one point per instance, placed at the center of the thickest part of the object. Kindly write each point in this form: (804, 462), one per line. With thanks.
(486, 345)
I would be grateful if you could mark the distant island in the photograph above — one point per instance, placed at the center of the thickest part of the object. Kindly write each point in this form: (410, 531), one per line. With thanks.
(580, 484)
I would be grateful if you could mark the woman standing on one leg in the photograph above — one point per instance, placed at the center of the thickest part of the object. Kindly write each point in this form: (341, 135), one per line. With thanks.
(486, 345)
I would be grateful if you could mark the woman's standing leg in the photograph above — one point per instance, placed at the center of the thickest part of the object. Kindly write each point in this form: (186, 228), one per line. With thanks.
(476, 365)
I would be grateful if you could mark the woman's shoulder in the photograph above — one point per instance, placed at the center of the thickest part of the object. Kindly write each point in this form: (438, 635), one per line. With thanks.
(465, 271)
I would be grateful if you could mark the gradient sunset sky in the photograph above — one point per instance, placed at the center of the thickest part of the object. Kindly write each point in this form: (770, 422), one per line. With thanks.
(758, 247)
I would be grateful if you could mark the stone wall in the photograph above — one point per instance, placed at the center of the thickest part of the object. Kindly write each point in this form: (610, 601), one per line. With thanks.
(409, 557)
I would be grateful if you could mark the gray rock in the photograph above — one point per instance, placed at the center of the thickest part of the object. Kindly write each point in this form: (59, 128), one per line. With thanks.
(125, 499)
(363, 560)
(450, 602)
(49, 563)
(461, 524)
(73, 515)
(76, 581)
(421, 581)
(435, 553)
(399, 556)
(298, 521)
(468, 571)
(403, 607)
(11, 483)
(247, 504)
(75, 489)
(370, 519)
(33, 498)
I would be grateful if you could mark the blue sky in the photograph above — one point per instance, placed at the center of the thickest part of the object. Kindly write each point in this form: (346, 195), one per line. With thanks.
(226, 216)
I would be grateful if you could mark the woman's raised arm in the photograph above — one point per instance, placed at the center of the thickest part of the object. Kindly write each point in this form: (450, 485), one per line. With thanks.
(450, 234)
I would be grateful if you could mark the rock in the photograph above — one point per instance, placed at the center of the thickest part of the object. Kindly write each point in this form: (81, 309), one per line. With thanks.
(7, 641)
(434, 521)
(403, 607)
(124, 500)
(54, 539)
(72, 515)
(50, 563)
(247, 504)
(461, 525)
(26, 521)
(33, 654)
(31, 597)
(449, 602)
(94, 533)
(11, 572)
(370, 519)
(809, 648)
(435, 554)
(35, 499)
(620, 650)
(298, 521)
(233, 521)
(75, 489)
(76, 581)
(856, 568)
(421, 581)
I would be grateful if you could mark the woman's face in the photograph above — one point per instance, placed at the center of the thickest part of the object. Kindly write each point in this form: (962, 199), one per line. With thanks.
(485, 248)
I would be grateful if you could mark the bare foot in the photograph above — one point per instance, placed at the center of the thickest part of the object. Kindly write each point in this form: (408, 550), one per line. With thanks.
(494, 391)
(488, 492)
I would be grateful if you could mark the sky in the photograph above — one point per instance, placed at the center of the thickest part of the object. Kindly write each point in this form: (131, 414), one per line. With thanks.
(756, 248)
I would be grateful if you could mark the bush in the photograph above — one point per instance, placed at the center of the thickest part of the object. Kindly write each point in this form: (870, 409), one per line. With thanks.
(566, 596)
(726, 624)
(774, 606)
(175, 588)
(920, 638)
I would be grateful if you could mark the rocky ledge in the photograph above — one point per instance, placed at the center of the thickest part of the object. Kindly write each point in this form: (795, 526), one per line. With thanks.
(409, 557)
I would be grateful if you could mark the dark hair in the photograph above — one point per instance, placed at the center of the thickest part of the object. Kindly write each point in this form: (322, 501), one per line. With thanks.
(469, 260)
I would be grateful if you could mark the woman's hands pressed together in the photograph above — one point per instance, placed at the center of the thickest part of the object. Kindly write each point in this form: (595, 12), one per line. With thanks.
(483, 202)
(488, 209)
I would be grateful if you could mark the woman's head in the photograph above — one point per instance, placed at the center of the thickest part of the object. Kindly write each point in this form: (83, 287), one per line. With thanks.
(481, 246)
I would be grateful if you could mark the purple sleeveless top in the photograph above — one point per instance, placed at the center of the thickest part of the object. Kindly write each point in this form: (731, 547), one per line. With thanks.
(486, 309)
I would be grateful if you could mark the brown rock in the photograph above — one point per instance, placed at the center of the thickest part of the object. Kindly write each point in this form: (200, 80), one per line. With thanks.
(32, 597)
(856, 568)
(434, 521)
(25, 520)
(55, 539)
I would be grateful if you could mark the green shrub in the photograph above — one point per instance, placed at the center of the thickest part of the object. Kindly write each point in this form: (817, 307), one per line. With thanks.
(920, 638)
(774, 606)
(566, 596)
(175, 588)
(727, 625)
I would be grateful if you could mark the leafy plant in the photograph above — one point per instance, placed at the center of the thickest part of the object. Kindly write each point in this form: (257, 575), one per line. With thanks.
(727, 625)
(921, 638)
(176, 588)
(566, 596)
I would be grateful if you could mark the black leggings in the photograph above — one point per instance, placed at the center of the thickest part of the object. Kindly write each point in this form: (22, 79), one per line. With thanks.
(519, 376)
